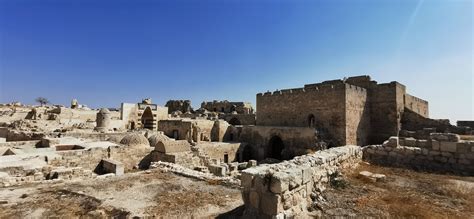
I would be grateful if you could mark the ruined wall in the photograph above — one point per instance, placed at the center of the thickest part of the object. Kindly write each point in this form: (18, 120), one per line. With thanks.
(240, 119)
(469, 124)
(441, 153)
(357, 116)
(219, 150)
(285, 190)
(220, 131)
(228, 107)
(294, 107)
(195, 129)
(417, 105)
(413, 122)
(172, 127)
(89, 159)
(179, 105)
(296, 140)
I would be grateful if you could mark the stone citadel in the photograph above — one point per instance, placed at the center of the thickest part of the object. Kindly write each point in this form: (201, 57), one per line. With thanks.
(280, 157)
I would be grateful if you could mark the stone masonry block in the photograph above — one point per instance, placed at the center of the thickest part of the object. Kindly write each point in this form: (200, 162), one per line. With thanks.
(279, 183)
(246, 180)
(391, 142)
(435, 145)
(306, 174)
(271, 204)
(411, 142)
(448, 146)
(463, 147)
(254, 199)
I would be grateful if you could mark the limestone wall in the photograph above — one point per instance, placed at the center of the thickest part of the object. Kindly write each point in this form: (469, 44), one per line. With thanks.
(284, 190)
(441, 153)
(296, 140)
(357, 116)
(295, 107)
(89, 159)
(413, 122)
(417, 105)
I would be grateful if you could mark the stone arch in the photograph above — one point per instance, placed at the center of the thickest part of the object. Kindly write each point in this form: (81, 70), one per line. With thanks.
(234, 121)
(147, 118)
(311, 121)
(275, 147)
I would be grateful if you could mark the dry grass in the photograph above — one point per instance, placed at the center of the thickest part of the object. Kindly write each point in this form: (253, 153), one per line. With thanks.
(467, 137)
(406, 194)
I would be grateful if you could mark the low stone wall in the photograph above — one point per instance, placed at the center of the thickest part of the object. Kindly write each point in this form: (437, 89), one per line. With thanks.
(90, 158)
(284, 190)
(441, 153)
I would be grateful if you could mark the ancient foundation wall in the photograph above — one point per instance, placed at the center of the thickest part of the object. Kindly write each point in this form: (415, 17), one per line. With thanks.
(284, 190)
(441, 153)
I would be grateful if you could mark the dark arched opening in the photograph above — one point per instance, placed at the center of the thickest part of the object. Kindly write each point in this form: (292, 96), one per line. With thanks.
(311, 121)
(275, 146)
(147, 118)
(234, 121)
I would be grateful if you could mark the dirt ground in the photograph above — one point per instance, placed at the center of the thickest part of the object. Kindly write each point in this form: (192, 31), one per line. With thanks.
(404, 194)
(154, 194)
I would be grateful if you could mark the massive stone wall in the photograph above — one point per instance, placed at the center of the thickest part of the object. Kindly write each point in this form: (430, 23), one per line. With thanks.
(386, 107)
(441, 153)
(295, 108)
(295, 140)
(286, 189)
(357, 116)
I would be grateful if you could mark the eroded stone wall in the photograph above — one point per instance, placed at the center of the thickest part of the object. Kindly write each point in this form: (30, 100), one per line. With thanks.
(284, 190)
(296, 141)
(441, 153)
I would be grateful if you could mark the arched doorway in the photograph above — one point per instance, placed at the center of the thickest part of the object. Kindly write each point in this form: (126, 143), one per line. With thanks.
(147, 118)
(311, 121)
(234, 121)
(275, 147)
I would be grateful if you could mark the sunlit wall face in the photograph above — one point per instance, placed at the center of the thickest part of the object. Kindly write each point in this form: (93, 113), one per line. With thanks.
(106, 52)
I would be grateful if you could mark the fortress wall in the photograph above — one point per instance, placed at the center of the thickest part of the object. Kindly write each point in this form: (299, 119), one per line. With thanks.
(357, 116)
(417, 105)
(292, 107)
(386, 107)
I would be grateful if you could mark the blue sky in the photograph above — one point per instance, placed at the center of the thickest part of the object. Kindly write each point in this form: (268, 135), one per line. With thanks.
(107, 52)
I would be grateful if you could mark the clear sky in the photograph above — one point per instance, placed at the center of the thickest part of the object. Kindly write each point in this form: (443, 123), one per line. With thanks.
(107, 52)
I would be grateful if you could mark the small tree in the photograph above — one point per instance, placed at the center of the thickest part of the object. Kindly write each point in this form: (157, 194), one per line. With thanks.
(42, 101)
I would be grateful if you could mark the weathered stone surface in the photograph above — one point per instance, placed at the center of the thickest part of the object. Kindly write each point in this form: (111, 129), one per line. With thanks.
(448, 146)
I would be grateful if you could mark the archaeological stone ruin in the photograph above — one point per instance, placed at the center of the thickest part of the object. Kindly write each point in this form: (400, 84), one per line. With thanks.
(282, 155)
